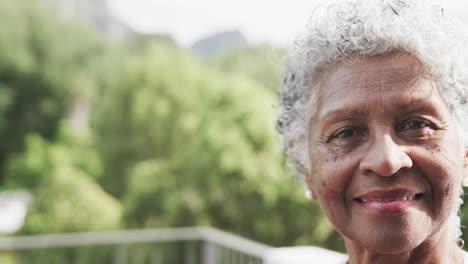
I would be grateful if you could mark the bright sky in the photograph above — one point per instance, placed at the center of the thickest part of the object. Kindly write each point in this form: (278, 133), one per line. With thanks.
(277, 21)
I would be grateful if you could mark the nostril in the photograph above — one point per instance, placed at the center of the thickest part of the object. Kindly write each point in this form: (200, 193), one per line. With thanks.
(387, 163)
(385, 158)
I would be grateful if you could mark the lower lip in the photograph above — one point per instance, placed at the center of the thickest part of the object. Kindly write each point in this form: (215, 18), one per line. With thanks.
(388, 208)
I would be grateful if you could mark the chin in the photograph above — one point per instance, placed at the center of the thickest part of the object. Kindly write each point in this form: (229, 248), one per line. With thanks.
(394, 237)
(393, 244)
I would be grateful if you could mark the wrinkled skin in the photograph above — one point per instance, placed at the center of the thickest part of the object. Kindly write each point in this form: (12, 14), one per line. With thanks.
(382, 125)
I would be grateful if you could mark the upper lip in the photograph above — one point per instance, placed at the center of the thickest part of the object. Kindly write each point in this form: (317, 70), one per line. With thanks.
(387, 195)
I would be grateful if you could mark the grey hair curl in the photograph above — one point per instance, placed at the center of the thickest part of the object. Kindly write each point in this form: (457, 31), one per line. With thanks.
(343, 29)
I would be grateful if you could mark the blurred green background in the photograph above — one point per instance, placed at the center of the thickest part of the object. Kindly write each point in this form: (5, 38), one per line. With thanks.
(112, 134)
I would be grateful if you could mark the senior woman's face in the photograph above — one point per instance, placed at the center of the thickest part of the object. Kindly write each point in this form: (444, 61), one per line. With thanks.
(387, 157)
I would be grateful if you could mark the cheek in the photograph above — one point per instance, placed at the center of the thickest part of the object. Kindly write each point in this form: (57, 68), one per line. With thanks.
(442, 165)
(448, 161)
(332, 172)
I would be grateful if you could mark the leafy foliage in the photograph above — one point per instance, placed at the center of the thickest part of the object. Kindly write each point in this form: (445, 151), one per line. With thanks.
(45, 62)
(197, 148)
(66, 197)
(261, 63)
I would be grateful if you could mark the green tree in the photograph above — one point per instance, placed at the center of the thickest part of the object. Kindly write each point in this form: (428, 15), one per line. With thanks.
(184, 144)
(262, 63)
(45, 62)
(60, 177)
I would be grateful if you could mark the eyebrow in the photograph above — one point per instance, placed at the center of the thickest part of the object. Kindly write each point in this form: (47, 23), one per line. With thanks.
(345, 112)
(415, 105)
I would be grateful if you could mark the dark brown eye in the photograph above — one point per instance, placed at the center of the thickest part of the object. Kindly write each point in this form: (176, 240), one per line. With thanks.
(414, 124)
(346, 133)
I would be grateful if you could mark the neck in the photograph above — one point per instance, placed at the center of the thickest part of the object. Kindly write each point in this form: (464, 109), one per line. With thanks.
(437, 249)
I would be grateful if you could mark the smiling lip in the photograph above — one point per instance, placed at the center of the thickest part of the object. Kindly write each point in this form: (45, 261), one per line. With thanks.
(389, 202)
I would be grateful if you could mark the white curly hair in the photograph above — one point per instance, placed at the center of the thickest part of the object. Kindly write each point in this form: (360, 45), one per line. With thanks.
(340, 30)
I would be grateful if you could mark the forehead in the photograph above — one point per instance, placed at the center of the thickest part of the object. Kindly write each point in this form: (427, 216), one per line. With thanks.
(382, 79)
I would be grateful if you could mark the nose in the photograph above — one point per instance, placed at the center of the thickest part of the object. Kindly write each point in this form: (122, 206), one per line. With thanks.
(385, 157)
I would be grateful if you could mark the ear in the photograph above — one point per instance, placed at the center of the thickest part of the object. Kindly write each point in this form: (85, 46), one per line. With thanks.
(309, 182)
(465, 171)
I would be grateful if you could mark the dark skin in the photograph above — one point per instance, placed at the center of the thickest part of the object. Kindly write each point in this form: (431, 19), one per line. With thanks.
(380, 126)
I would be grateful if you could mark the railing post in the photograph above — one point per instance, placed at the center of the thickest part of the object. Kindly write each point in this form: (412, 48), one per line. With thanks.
(157, 256)
(120, 254)
(209, 253)
(60, 258)
(189, 253)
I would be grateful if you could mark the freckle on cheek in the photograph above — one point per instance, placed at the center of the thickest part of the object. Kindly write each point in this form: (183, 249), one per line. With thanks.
(433, 148)
(332, 157)
(332, 153)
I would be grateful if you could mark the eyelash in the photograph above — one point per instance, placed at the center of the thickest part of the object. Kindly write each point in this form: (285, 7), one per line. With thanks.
(426, 123)
(339, 133)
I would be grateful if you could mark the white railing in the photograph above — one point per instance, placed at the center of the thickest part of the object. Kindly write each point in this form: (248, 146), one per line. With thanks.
(201, 245)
